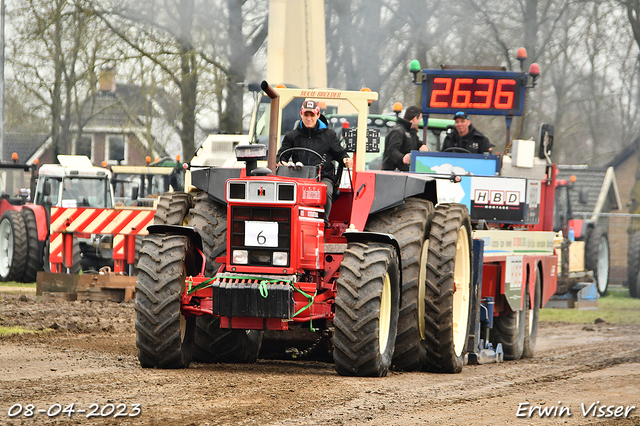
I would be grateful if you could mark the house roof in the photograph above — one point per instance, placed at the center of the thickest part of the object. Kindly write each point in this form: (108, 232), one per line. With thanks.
(599, 185)
(625, 153)
(24, 144)
(117, 109)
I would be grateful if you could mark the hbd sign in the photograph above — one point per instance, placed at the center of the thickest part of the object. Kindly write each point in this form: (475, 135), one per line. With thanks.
(498, 199)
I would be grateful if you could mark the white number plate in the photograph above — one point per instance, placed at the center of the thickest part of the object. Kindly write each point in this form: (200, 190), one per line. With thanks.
(261, 234)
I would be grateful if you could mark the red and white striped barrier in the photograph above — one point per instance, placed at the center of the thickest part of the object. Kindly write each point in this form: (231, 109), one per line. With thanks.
(123, 224)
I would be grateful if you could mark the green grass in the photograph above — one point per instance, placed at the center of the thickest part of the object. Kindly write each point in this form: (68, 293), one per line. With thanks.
(17, 284)
(8, 331)
(617, 307)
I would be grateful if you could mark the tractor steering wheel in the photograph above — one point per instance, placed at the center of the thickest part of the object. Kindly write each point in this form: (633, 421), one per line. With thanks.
(457, 149)
(299, 148)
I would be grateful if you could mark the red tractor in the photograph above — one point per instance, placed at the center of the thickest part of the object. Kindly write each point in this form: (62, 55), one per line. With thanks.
(23, 225)
(390, 279)
(396, 279)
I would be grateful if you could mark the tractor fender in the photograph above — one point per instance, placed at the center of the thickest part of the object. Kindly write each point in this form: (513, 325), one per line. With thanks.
(193, 234)
(42, 220)
(376, 237)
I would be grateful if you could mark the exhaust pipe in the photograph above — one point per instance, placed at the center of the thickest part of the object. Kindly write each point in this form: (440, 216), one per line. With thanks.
(273, 124)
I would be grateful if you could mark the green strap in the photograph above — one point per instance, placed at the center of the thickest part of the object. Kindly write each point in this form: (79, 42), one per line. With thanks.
(262, 283)
(311, 299)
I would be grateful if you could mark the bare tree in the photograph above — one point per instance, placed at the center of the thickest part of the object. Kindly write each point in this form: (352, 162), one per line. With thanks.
(52, 59)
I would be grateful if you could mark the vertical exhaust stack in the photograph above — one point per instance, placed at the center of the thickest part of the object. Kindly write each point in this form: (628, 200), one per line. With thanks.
(273, 124)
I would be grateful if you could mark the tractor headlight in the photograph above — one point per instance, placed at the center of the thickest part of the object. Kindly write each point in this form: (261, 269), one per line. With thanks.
(241, 256)
(280, 258)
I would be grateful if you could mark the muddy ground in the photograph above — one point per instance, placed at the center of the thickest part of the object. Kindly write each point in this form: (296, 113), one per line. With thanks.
(89, 357)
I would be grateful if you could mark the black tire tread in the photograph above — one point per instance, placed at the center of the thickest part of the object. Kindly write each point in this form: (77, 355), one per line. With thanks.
(633, 264)
(443, 238)
(19, 257)
(172, 208)
(160, 280)
(592, 254)
(210, 218)
(34, 252)
(357, 307)
(408, 223)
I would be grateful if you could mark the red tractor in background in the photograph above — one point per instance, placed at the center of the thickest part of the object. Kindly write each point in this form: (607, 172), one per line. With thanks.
(23, 225)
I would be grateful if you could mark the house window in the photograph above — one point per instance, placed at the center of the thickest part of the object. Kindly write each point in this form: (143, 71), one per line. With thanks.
(116, 150)
(84, 146)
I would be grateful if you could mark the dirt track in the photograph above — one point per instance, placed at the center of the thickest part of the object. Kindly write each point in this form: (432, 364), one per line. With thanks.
(90, 357)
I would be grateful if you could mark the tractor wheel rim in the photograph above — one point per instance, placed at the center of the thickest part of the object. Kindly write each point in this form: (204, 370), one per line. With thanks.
(385, 314)
(6, 247)
(461, 295)
(603, 265)
(422, 289)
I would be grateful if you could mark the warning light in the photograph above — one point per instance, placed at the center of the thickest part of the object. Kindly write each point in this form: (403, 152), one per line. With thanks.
(147, 159)
(573, 178)
(104, 163)
(280, 86)
(14, 157)
(397, 107)
(178, 158)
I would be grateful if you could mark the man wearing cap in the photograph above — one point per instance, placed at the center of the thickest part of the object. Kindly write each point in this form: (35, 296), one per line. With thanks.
(312, 132)
(403, 139)
(464, 135)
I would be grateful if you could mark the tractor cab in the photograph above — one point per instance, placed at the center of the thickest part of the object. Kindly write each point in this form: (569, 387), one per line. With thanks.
(75, 182)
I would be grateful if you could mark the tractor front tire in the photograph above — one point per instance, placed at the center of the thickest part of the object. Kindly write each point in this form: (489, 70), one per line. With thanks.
(533, 318)
(172, 208)
(408, 223)
(34, 251)
(366, 310)
(448, 289)
(164, 337)
(597, 258)
(13, 246)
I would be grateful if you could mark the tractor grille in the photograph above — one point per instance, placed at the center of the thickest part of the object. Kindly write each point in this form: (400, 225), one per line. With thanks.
(237, 296)
(261, 231)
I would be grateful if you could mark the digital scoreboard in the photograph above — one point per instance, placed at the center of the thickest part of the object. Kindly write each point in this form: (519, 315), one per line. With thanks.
(473, 91)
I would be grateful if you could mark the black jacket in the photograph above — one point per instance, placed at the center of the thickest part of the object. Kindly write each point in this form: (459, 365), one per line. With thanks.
(474, 141)
(320, 139)
(400, 140)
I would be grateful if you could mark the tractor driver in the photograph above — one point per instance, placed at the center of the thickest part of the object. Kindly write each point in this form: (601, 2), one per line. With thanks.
(312, 132)
(464, 135)
(403, 139)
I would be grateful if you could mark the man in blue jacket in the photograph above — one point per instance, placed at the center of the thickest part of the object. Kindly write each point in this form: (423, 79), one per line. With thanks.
(312, 132)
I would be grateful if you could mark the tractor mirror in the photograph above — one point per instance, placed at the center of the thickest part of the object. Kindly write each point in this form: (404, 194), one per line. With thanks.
(134, 193)
(46, 188)
(545, 140)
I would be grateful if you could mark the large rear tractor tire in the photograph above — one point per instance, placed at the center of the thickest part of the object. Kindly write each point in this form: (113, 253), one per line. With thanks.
(533, 318)
(633, 264)
(211, 219)
(366, 310)
(448, 289)
(597, 258)
(408, 223)
(172, 208)
(213, 344)
(34, 250)
(164, 338)
(13, 246)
